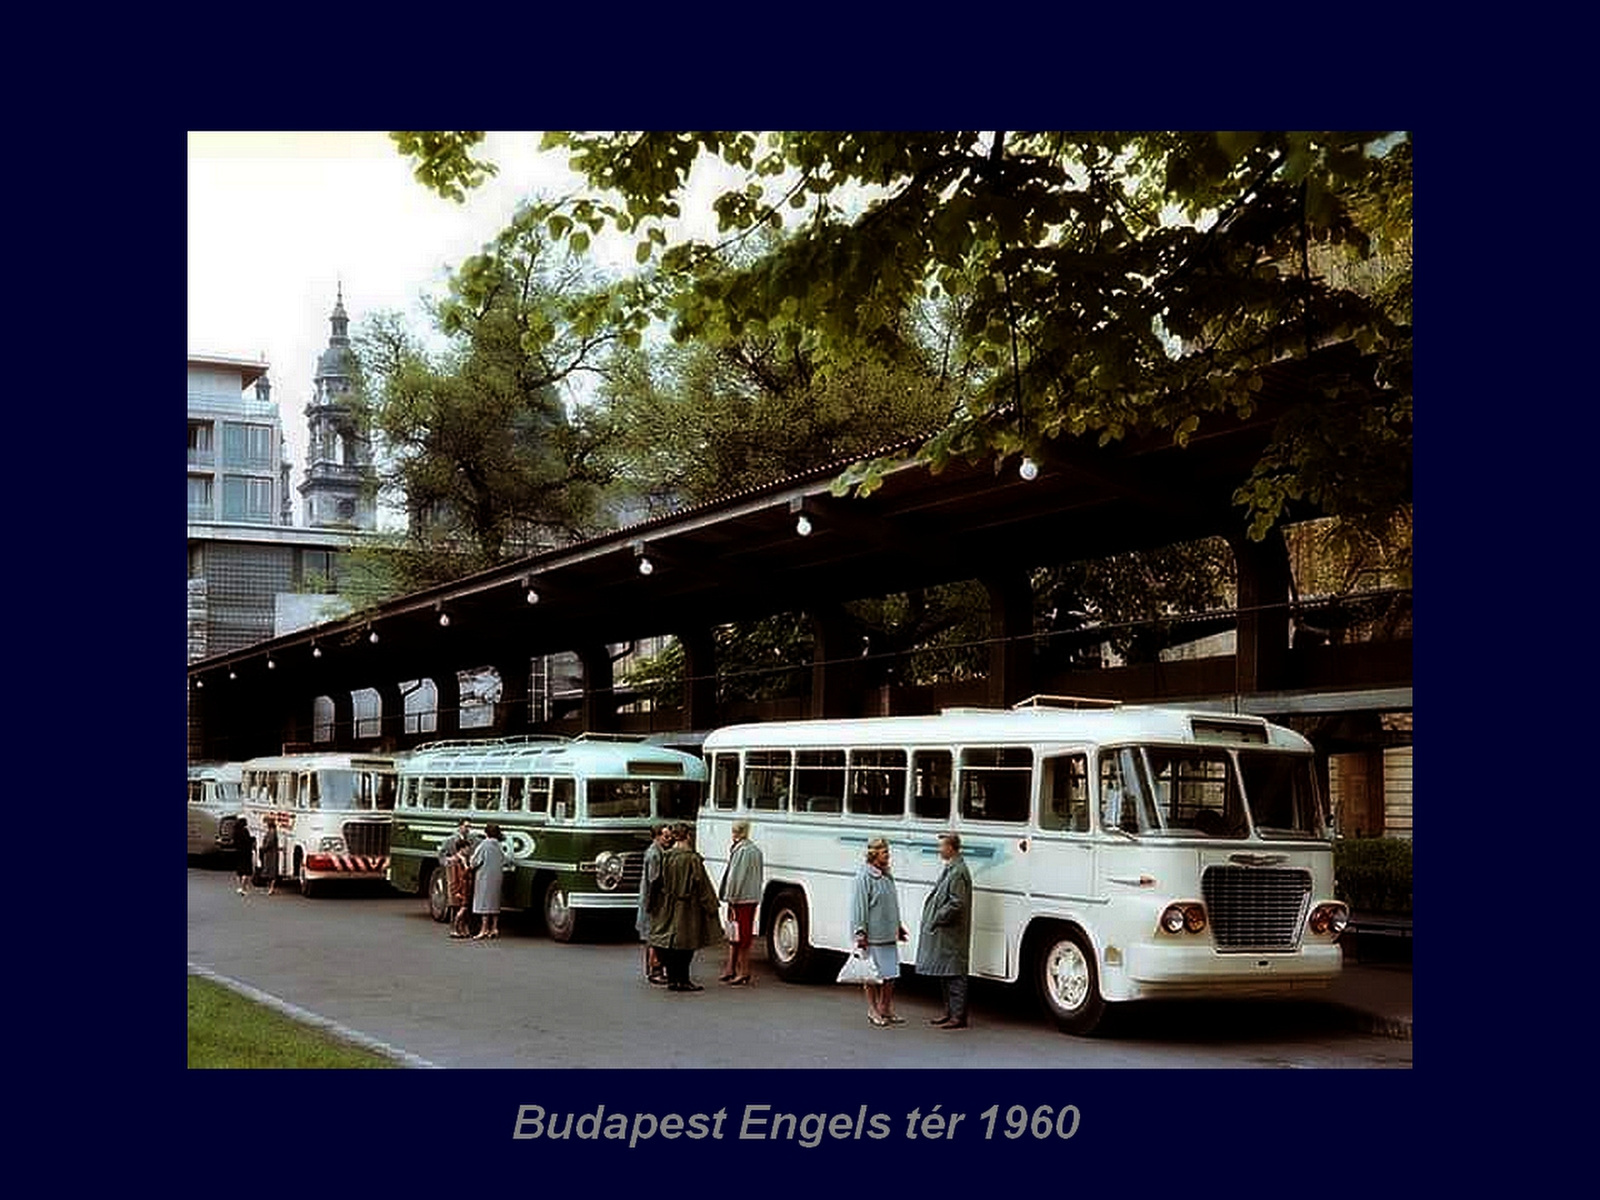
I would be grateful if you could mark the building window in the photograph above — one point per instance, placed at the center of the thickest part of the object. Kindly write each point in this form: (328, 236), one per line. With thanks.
(245, 499)
(318, 570)
(200, 452)
(421, 705)
(368, 706)
(248, 447)
(200, 498)
(322, 719)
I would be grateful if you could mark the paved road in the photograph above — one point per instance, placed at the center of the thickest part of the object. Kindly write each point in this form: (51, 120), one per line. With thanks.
(373, 961)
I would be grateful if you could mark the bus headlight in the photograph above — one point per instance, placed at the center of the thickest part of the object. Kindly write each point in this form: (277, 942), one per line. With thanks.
(608, 869)
(331, 845)
(1185, 915)
(1329, 918)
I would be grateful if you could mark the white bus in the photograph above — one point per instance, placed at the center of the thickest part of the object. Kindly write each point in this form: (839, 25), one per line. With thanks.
(1116, 854)
(214, 805)
(333, 812)
(575, 816)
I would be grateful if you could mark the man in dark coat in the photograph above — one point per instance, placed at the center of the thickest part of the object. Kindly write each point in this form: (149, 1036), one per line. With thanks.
(944, 940)
(684, 915)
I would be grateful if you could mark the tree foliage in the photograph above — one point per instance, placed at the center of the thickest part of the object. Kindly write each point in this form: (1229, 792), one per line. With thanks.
(1109, 282)
(478, 439)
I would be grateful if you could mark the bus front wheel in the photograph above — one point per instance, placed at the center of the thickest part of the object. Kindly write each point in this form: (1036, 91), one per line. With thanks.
(307, 886)
(560, 919)
(1068, 981)
(438, 889)
(789, 938)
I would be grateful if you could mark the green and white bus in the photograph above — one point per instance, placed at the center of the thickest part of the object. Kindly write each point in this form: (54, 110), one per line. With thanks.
(1116, 854)
(575, 817)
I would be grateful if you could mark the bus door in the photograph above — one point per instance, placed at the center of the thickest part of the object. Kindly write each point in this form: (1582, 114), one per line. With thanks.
(994, 788)
(1061, 860)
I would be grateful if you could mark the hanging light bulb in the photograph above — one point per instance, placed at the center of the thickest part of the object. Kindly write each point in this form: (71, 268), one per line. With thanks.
(444, 619)
(533, 596)
(316, 650)
(231, 675)
(646, 566)
(803, 526)
(1029, 470)
(199, 683)
(271, 666)
(373, 637)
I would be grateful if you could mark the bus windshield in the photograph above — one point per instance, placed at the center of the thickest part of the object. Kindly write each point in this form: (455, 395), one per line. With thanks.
(1193, 791)
(632, 798)
(1282, 792)
(345, 790)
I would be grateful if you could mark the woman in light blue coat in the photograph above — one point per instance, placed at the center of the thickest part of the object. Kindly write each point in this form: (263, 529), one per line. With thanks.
(875, 925)
(488, 860)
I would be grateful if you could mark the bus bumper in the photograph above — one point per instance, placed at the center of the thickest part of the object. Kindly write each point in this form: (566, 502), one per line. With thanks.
(346, 866)
(1153, 971)
(612, 900)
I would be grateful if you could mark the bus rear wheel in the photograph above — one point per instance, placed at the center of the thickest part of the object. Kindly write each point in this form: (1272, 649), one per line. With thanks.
(1068, 980)
(789, 948)
(438, 891)
(560, 919)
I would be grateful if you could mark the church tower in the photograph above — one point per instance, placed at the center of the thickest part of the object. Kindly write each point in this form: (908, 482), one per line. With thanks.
(341, 484)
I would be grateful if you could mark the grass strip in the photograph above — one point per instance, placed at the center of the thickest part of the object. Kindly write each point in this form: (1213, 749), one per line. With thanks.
(227, 1030)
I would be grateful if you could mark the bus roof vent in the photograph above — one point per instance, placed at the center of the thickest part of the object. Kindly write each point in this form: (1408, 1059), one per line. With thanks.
(1251, 730)
(1067, 702)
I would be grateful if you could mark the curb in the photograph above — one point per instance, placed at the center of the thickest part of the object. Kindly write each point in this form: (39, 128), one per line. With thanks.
(1362, 1021)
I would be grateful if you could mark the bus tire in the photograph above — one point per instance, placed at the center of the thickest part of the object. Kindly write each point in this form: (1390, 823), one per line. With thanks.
(436, 887)
(307, 886)
(560, 918)
(1068, 980)
(789, 948)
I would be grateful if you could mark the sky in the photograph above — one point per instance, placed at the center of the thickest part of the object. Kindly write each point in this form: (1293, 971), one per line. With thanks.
(279, 221)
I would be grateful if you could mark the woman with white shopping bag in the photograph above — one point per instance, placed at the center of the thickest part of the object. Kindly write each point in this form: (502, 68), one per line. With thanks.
(875, 923)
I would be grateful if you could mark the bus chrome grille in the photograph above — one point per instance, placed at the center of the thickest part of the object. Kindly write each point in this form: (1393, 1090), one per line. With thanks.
(632, 872)
(367, 837)
(1256, 908)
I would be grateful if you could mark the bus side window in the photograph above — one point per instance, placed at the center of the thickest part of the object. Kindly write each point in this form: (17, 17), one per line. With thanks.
(432, 792)
(514, 793)
(766, 780)
(1064, 795)
(459, 793)
(724, 780)
(995, 783)
(563, 798)
(878, 782)
(539, 794)
(930, 785)
(486, 794)
(819, 781)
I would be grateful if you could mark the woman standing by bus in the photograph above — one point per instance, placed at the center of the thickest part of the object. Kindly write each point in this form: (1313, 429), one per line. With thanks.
(244, 850)
(741, 890)
(269, 856)
(875, 925)
(488, 860)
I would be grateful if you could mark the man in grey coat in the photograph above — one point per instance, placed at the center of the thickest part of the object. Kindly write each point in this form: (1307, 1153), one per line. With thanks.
(946, 933)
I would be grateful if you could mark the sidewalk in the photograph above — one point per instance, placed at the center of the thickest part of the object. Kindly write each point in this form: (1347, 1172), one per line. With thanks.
(1376, 996)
